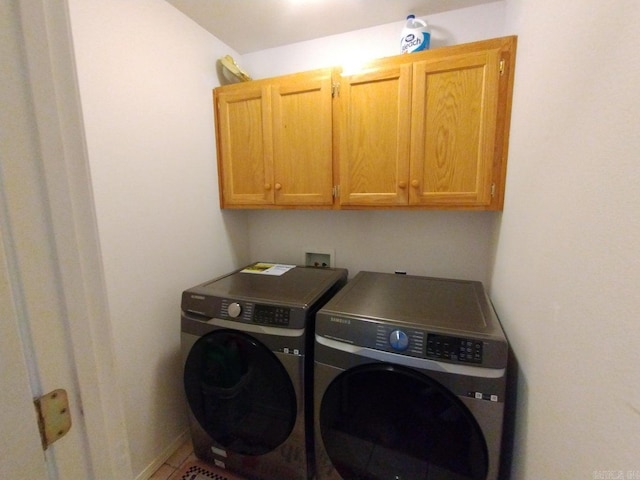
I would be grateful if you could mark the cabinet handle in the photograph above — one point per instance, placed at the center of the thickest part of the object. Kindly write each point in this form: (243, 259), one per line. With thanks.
(402, 184)
(267, 186)
(278, 186)
(415, 183)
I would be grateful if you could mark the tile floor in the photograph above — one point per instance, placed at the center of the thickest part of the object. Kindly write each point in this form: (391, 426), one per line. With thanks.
(182, 455)
(170, 470)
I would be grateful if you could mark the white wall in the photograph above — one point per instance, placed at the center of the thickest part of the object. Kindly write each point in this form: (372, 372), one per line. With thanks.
(566, 279)
(449, 28)
(441, 244)
(146, 73)
(448, 244)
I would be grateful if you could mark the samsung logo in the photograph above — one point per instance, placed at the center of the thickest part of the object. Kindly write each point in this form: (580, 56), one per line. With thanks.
(343, 321)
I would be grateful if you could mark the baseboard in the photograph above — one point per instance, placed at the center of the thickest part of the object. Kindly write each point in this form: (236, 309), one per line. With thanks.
(163, 457)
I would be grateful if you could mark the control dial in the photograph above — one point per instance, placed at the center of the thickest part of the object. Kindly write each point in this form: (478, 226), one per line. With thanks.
(398, 340)
(234, 310)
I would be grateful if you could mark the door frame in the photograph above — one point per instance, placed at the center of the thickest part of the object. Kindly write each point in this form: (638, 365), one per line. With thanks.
(49, 54)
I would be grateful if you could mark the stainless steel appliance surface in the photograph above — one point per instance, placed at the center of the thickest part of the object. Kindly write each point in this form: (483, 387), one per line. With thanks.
(410, 379)
(247, 367)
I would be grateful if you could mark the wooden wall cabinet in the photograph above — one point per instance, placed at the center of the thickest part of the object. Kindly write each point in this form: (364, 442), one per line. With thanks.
(428, 130)
(374, 130)
(274, 141)
(419, 131)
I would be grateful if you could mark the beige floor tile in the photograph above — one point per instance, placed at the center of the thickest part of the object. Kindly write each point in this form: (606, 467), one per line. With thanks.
(163, 473)
(181, 454)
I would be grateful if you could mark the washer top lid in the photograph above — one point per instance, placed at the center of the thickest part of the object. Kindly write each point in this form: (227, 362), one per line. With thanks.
(298, 286)
(447, 304)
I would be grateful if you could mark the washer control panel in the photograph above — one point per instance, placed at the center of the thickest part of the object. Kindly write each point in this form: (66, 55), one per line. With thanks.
(271, 315)
(248, 312)
(238, 310)
(444, 347)
(234, 309)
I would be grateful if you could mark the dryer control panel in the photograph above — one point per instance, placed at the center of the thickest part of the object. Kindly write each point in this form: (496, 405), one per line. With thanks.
(413, 342)
(444, 347)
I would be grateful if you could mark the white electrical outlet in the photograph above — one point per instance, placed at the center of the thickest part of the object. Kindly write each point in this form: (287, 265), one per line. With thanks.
(319, 257)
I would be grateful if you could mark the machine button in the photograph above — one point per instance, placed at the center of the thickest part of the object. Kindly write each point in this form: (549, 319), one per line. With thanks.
(399, 340)
(234, 310)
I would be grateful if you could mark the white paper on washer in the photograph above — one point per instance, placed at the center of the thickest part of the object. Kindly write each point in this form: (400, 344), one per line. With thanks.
(260, 268)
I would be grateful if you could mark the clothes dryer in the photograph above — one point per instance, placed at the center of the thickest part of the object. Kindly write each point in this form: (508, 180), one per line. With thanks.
(410, 377)
(246, 339)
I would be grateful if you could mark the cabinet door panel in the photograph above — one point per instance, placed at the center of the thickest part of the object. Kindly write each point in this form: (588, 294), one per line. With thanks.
(453, 129)
(245, 147)
(374, 136)
(302, 129)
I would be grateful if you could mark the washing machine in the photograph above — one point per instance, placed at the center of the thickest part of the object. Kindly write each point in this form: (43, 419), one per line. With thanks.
(410, 377)
(246, 342)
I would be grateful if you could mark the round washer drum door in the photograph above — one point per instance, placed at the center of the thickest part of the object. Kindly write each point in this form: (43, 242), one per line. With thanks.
(383, 421)
(239, 392)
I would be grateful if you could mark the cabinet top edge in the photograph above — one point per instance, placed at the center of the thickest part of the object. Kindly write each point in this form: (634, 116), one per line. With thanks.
(506, 43)
(257, 83)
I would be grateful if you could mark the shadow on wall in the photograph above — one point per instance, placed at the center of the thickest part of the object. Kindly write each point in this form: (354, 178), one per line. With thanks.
(235, 225)
(511, 401)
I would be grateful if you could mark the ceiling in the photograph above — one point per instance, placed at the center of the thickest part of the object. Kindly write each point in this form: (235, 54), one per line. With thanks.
(252, 25)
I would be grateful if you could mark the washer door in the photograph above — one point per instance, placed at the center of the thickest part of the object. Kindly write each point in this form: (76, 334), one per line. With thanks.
(239, 392)
(383, 421)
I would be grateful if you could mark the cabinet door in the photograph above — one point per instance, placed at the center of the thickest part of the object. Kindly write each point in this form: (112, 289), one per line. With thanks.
(302, 139)
(374, 136)
(455, 103)
(244, 142)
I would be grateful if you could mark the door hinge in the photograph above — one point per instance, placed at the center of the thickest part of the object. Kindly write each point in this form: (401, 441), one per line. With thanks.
(336, 191)
(502, 64)
(54, 418)
(335, 89)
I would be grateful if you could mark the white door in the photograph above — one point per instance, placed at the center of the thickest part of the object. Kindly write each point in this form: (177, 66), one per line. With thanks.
(54, 325)
(20, 448)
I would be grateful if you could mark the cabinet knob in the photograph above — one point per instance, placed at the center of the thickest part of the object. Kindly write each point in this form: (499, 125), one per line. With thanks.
(278, 186)
(267, 186)
(415, 183)
(402, 184)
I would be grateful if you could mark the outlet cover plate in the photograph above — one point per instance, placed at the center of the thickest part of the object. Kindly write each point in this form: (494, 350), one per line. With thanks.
(319, 257)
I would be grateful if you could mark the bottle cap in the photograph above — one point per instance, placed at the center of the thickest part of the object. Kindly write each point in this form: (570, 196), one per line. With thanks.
(411, 16)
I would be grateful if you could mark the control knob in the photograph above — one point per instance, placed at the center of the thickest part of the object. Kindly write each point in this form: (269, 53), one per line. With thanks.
(234, 310)
(398, 340)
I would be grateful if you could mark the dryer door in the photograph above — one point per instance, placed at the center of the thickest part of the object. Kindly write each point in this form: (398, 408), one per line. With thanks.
(382, 421)
(239, 392)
